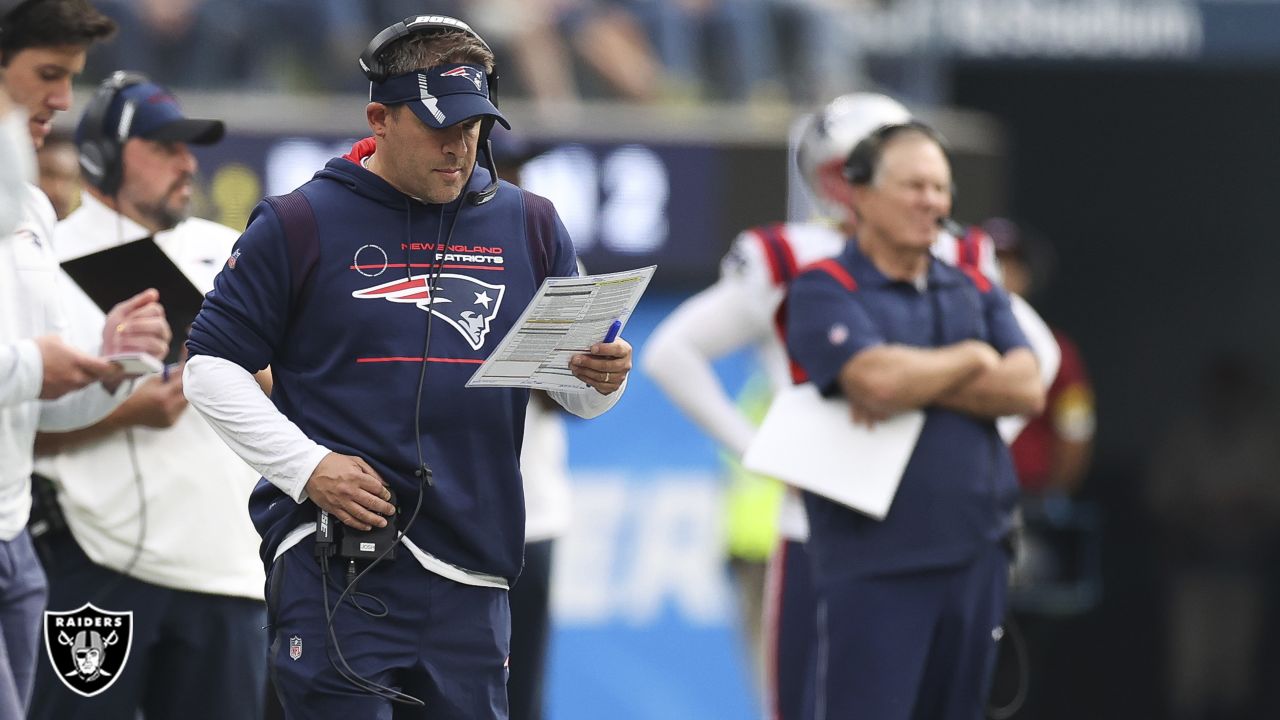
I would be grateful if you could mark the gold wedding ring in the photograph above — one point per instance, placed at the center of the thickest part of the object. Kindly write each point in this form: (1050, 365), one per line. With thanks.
(119, 328)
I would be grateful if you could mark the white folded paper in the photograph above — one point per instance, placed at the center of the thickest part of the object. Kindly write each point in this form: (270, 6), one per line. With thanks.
(565, 318)
(812, 443)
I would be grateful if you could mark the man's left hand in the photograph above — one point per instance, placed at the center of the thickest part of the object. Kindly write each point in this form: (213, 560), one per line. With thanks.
(137, 325)
(606, 367)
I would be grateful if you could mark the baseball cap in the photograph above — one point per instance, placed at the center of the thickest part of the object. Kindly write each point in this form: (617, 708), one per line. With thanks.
(440, 96)
(149, 111)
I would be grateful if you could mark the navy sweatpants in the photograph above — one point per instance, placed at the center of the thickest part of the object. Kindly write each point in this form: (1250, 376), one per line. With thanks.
(917, 646)
(530, 632)
(440, 641)
(791, 616)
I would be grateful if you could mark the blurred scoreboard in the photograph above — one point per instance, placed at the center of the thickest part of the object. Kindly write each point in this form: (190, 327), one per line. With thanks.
(625, 204)
(676, 203)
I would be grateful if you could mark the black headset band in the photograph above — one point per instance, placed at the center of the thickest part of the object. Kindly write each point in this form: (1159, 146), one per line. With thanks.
(100, 106)
(371, 59)
(860, 165)
(100, 149)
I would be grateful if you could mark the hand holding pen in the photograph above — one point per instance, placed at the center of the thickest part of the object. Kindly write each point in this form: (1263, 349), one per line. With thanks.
(607, 365)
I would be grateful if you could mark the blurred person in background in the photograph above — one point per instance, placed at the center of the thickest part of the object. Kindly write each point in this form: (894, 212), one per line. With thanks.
(714, 49)
(1052, 453)
(207, 44)
(817, 53)
(58, 165)
(1211, 489)
(741, 310)
(341, 434)
(126, 485)
(1052, 579)
(45, 383)
(911, 606)
(546, 38)
(544, 470)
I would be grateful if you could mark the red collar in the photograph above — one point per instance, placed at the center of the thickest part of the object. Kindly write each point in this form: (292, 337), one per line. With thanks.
(361, 150)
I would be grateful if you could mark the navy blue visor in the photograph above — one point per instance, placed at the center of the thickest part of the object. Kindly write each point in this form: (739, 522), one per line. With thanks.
(440, 96)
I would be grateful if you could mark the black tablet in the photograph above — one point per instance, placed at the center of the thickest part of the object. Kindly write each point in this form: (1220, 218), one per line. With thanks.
(118, 273)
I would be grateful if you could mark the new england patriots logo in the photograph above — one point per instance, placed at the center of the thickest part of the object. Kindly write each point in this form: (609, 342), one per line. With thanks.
(464, 302)
(473, 74)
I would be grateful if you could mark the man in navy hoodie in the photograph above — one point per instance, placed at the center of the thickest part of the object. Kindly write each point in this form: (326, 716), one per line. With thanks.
(374, 291)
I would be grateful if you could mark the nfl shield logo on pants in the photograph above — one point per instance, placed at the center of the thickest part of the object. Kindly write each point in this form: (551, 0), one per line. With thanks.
(295, 648)
(88, 647)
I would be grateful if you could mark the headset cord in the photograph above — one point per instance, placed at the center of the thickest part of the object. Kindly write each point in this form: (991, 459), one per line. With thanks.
(127, 570)
(1014, 632)
(434, 270)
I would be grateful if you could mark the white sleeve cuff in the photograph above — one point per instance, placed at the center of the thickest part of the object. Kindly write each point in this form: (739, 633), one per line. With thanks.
(82, 408)
(306, 466)
(590, 403)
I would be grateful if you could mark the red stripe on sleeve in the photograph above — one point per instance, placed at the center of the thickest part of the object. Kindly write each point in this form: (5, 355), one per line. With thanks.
(785, 250)
(798, 375)
(768, 244)
(837, 271)
(984, 285)
(964, 255)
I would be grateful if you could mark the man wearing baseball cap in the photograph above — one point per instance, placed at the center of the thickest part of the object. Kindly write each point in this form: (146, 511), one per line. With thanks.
(45, 382)
(374, 291)
(153, 499)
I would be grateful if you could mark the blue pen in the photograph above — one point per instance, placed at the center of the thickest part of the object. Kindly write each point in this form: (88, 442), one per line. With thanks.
(613, 331)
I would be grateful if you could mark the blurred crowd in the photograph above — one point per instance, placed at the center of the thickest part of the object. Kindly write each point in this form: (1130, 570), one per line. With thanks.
(553, 50)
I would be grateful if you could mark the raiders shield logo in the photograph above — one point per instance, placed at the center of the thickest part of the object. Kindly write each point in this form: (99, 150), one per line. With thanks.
(88, 647)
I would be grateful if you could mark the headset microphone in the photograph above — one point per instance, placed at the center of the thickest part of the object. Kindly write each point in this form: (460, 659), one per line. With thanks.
(951, 227)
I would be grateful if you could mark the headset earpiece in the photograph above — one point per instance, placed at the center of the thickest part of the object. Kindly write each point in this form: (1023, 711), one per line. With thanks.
(101, 149)
(371, 60)
(860, 165)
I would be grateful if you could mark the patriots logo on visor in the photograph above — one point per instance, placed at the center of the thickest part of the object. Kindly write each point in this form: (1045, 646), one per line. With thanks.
(467, 304)
(473, 74)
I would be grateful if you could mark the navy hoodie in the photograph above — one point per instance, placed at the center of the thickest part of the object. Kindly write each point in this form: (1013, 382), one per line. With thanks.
(343, 323)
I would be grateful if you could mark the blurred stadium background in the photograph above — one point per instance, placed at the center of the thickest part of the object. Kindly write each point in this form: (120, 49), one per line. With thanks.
(1139, 136)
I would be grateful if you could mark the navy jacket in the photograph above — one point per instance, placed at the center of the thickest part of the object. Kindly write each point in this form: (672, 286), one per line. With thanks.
(343, 323)
(958, 490)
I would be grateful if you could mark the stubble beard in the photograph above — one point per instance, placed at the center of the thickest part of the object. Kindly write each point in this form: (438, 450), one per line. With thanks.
(162, 213)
